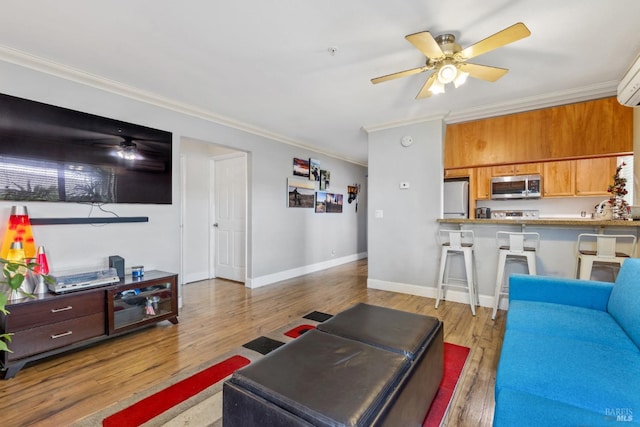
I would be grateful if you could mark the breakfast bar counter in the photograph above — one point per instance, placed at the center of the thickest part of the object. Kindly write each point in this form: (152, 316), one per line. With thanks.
(571, 222)
(556, 255)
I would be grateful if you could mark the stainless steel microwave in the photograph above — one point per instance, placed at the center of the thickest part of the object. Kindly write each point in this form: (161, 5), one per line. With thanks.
(516, 187)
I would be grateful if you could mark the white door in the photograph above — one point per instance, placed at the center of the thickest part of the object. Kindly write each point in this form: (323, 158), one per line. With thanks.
(229, 222)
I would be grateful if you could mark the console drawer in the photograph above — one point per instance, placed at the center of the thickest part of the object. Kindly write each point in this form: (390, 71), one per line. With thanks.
(32, 341)
(31, 314)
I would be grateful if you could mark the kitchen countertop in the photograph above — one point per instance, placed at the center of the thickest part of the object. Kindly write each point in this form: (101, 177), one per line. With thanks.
(546, 221)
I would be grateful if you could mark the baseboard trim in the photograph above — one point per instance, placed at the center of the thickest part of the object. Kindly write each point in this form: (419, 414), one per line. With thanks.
(430, 292)
(269, 279)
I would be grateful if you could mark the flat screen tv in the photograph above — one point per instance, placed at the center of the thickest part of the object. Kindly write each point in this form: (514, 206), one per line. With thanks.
(49, 153)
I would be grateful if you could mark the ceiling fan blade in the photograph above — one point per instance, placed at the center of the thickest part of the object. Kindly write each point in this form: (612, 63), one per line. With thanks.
(398, 75)
(426, 44)
(508, 35)
(482, 72)
(425, 92)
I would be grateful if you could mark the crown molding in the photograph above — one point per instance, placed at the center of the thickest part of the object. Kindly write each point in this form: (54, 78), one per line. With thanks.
(47, 66)
(402, 123)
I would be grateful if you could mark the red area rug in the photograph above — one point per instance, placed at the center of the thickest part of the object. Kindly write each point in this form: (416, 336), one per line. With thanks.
(196, 398)
(154, 405)
(455, 356)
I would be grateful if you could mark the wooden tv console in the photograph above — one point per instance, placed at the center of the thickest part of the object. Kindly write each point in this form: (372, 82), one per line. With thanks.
(50, 324)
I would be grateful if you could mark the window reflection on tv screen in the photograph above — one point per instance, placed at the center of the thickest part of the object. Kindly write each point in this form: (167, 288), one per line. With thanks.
(49, 153)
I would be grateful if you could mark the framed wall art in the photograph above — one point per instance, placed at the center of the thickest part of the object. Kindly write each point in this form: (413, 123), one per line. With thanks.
(314, 170)
(301, 167)
(333, 203)
(300, 193)
(324, 179)
(321, 198)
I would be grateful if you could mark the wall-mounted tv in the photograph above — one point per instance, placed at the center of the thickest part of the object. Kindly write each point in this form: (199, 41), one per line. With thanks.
(49, 153)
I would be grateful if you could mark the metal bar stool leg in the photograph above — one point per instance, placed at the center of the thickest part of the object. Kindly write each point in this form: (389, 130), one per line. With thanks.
(502, 259)
(441, 275)
(468, 263)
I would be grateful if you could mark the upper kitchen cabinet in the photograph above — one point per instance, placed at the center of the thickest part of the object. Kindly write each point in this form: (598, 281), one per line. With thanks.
(583, 177)
(590, 183)
(601, 127)
(520, 169)
(559, 178)
(458, 173)
(481, 183)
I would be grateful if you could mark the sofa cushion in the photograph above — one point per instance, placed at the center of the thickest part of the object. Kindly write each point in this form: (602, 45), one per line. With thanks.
(568, 321)
(560, 290)
(578, 373)
(515, 408)
(624, 302)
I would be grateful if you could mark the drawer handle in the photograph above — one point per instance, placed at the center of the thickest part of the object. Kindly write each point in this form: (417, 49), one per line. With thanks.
(57, 310)
(64, 334)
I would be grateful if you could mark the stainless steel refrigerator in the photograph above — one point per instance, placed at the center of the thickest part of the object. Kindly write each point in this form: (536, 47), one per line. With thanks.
(456, 199)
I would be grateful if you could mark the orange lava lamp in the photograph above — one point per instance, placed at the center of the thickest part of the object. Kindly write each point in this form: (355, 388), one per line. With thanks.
(19, 230)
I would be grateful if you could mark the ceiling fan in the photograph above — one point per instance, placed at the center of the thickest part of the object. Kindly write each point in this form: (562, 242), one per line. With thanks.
(448, 59)
(127, 147)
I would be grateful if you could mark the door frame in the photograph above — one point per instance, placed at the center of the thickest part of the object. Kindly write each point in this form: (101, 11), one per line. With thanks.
(212, 235)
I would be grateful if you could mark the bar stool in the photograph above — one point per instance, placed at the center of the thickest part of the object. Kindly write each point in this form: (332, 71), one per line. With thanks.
(606, 250)
(458, 242)
(516, 247)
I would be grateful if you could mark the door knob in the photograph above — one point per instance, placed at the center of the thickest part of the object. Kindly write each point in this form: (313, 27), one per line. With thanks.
(215, 225)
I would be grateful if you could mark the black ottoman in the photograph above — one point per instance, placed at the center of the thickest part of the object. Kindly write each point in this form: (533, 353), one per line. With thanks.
(325, 379)
(393, 330)
(416, 336)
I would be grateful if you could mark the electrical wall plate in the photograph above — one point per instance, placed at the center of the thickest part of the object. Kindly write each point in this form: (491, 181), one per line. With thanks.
(406, 140)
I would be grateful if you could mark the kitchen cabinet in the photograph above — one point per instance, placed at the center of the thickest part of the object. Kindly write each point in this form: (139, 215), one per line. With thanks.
(482, 183)
(599, 127)
(559, 178)
(593, 176)
(458, 173)
(519, 169)
(582, 177)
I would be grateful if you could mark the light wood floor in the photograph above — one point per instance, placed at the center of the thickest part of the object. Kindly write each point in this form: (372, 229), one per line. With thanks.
(219, 316)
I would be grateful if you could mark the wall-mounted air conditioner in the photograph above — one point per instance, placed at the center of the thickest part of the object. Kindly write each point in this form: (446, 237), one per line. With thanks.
(629, 87)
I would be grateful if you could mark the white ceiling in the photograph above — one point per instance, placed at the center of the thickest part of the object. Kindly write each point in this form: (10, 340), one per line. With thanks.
(265, 65)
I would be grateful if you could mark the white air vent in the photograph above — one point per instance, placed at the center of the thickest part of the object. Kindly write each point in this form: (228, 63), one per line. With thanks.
(629, 87)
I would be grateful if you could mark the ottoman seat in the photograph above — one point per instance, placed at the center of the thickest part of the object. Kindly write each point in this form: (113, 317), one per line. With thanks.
(346, 378)
(393, 330)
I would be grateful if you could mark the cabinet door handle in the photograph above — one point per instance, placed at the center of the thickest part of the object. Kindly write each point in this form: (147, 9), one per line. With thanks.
(57, 310)
(64, 334)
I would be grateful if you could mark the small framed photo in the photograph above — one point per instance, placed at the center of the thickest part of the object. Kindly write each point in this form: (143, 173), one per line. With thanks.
(300, 193)
(301, 167)
(333, 203)
(314, 170)
(324, 179)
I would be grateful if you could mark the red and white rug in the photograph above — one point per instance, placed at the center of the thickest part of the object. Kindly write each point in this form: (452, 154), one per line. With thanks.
(195, 398)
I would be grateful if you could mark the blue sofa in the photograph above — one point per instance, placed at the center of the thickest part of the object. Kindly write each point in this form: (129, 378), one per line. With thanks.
(571, 352)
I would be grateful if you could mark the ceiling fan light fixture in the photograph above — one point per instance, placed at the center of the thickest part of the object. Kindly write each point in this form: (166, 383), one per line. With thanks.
(127, 151)
(460, 79)
(437, 87)
(447, 73)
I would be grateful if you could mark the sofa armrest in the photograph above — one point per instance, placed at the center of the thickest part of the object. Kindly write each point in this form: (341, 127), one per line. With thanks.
(560, 290)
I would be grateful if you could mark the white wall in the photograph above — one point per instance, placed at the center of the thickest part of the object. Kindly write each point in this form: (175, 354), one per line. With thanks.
(403, 255)
(284, 242)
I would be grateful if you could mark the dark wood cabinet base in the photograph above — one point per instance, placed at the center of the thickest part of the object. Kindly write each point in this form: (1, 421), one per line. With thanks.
(51, 324)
